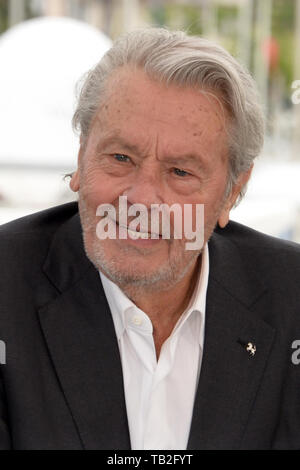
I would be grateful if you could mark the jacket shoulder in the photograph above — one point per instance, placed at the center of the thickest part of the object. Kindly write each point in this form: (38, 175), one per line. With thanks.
(47, 220)
(24, 242)
(272, 257)
(248, 237)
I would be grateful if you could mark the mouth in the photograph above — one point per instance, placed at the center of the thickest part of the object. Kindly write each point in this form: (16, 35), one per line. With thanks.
(137, 234)
(136, 237)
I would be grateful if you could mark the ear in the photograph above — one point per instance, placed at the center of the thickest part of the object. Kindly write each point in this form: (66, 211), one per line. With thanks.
(75, 180)
(225, 212)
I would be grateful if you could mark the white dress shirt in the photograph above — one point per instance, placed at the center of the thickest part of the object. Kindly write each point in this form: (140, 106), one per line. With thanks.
(159, 394)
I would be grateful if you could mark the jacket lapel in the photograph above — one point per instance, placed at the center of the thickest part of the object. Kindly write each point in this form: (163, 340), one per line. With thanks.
(230, 376)
(80, 335)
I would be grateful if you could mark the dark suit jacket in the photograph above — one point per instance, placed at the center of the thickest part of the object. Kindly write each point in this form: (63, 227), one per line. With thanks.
(62, 386)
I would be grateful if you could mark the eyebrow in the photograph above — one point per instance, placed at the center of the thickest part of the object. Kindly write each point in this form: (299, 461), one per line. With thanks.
(183, 159)
(117, 140)
(132, 148)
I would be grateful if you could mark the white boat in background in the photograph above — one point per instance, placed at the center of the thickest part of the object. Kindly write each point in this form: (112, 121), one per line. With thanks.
(41, 62)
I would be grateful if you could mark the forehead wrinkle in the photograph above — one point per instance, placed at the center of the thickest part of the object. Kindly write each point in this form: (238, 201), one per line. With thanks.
(149, 143)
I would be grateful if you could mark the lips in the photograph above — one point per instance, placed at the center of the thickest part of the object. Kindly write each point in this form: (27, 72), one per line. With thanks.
(136, 234)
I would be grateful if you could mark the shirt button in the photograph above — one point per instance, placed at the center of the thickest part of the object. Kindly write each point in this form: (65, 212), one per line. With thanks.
(136, 320)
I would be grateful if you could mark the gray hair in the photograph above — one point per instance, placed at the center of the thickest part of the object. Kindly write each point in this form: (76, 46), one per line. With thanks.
(173, 57)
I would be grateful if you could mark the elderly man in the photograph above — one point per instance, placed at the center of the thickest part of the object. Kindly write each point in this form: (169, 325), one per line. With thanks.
(135, 341)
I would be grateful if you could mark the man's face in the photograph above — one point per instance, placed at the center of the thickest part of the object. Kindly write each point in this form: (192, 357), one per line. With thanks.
(154, 144)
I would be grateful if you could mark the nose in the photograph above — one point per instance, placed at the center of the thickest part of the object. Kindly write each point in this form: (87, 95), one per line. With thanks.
(146, 188)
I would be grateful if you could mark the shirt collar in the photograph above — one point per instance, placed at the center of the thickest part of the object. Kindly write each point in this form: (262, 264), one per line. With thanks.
(121, 306)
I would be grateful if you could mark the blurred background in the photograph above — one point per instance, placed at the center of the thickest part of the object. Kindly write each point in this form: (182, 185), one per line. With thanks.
(47, 45)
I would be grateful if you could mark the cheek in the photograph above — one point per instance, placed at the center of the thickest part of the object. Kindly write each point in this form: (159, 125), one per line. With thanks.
(97, 188)
(213, 198)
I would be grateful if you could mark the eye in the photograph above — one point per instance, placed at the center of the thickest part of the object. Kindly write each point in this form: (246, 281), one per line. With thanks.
(180, 172)
(121, 158)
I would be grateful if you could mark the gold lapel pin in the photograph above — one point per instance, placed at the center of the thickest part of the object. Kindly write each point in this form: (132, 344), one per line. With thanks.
(251, 348)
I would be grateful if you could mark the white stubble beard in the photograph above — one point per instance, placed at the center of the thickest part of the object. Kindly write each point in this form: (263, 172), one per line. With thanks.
(166, 276)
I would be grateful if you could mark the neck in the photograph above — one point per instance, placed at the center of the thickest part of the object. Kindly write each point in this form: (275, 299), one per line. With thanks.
(164, 307)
